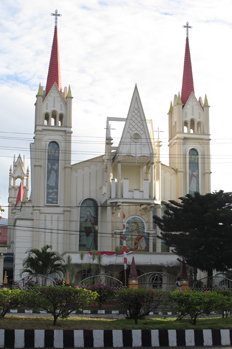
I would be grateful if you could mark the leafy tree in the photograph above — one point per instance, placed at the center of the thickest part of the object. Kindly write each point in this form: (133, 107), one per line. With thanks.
(199, 228)
(192, 304)
(137, 303)
(43, 262)
(9, 299)
(60, 301)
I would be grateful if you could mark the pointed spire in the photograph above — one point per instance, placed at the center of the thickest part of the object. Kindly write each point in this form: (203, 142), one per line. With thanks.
(187, 83)
(20, 194)
(179, 101)
(69, 94)
(206, 104)
(40, 91)
(171, 108)
(54, 66)
(133, 271)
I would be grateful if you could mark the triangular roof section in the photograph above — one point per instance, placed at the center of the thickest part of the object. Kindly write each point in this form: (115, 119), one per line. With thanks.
(135, 140)
(192, 100)
(19, 168)
(54, 66)
(54, 92)
(187, 82)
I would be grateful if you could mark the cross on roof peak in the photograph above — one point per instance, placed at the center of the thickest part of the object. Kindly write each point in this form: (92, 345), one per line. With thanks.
(187, 26)
(158, 131)
(56, 14)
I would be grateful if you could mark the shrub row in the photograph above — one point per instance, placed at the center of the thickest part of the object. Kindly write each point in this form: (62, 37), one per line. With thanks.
(194, 303)
(134, 304)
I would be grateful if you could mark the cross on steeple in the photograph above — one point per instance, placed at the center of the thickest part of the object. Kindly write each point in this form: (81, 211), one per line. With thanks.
(158, 131)
(56, 14)
(187, 26)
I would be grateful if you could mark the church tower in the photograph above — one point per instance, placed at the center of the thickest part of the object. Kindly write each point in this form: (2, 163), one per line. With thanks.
(17, 174)
(51, 154)
(189, 135)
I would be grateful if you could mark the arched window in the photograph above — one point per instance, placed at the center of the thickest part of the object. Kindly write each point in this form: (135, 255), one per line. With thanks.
(88, 237)
(193, 171)
(46, 119)
(186, 127)
(192, 126)
(156, 280)
(52, 174)
(61, 118)
(136, 238)
(199, 127)
(53, 120)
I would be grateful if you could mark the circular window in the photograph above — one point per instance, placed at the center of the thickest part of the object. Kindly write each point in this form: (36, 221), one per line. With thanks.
(135, 137)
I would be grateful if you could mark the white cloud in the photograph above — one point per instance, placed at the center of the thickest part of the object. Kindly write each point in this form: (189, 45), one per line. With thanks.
(105, 48)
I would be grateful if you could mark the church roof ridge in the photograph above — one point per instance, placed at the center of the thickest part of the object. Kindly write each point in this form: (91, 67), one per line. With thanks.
(187, 82)
(54, 66)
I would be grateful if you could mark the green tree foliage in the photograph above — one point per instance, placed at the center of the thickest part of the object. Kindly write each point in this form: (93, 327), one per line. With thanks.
(136, 303)
(193, 303)
(60, 301)
(199, 228)
(10, 299)
(43, 262)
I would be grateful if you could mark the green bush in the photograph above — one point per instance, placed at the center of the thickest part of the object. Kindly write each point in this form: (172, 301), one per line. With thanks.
(10, 299)
(194, 303)
(136, 303)
(60, 301)
(225, 303)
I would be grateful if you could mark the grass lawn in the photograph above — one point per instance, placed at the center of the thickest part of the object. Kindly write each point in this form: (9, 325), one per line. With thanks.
(83, 323)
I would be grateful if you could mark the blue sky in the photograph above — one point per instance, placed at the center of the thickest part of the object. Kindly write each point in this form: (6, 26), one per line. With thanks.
(106, 47)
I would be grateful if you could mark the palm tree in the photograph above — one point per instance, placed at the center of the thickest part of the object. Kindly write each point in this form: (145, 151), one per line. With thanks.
(43, 262)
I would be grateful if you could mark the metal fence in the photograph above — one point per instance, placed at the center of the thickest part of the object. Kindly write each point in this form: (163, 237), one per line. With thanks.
(151, 280)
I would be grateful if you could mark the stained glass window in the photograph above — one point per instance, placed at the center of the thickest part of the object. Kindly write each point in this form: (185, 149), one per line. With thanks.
(193, 171)
(88, 238)
(52, 174)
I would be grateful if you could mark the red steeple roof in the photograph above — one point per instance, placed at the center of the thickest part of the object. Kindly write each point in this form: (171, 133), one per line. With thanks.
(133, 271)
(187, 83)
(54, 66)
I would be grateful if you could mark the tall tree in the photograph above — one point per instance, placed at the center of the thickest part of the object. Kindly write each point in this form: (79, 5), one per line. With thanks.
(199, 228)
(43, 262)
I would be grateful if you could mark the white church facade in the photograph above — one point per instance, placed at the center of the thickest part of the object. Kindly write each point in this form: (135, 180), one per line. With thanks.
(81, 207)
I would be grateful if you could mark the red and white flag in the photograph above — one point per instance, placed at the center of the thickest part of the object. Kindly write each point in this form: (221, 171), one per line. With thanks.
(124, 242)
(110, 253)
(20, 194)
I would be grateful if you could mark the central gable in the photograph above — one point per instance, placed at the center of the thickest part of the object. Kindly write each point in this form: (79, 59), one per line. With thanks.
(135, 140)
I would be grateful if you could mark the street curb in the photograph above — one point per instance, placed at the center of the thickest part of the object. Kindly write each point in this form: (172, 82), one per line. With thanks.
(82, 312)
(112, 338)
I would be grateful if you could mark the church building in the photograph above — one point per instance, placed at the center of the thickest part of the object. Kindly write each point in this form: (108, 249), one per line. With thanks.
(88, 206)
